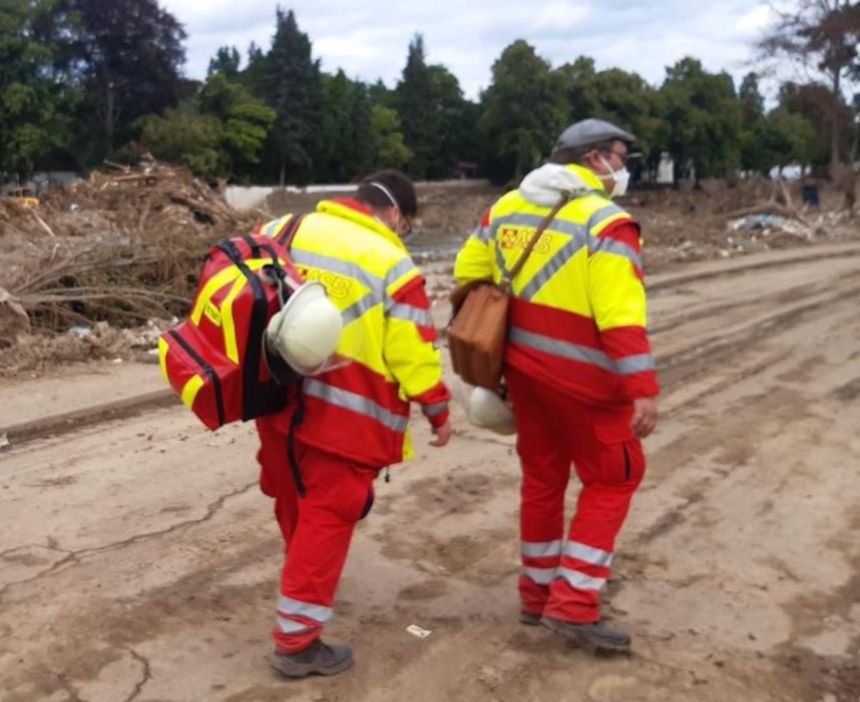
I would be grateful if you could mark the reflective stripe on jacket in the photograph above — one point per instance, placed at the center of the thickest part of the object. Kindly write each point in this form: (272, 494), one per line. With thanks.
(361, 410)
(578, 315)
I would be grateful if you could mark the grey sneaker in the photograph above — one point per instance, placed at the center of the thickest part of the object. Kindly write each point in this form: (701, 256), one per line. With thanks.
(319, 658)
(594, 636)
(529, 619)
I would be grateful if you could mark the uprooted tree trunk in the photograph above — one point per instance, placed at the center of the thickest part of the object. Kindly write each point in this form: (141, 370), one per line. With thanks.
(773, 207)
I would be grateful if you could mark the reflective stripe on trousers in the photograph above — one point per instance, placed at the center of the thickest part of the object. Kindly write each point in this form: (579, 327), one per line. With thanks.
(571, 549)
(288, 607)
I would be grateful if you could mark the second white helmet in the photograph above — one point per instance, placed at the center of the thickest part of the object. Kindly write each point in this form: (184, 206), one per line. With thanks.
(486, 409)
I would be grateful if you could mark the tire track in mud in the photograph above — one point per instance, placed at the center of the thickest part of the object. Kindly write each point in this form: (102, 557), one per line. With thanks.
(673, 280)
(689, 360)
(720, 349)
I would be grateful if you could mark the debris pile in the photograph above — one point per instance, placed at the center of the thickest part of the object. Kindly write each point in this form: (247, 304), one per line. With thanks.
(724, 219)
(121, 247)
(95, 269)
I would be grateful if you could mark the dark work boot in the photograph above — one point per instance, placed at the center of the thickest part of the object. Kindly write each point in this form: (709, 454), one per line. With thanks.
(318, 658)
(529, 619)
(592, 636)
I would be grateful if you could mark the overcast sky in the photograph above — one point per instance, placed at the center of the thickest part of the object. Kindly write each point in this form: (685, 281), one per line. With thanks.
(369, 38)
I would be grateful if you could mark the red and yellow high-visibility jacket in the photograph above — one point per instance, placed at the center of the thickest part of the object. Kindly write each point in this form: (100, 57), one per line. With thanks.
(361, 410)
(578, 313)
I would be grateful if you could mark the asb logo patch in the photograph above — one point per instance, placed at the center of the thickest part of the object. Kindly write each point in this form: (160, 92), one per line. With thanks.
(337, 286)
(519, 238)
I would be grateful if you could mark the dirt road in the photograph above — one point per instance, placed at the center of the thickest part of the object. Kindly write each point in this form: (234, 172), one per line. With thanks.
(138, 561)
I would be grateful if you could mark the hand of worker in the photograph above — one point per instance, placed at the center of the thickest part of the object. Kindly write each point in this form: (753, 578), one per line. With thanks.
(644, 416)
(443, 435)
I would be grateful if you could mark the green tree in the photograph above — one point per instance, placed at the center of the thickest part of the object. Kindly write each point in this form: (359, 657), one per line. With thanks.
(379, 94)
(787, 138)
(579, 79)
(813, 101)
(190, 139)
(522, 112)
(127, 56)
(855, 129)
(347, 148)
(432, 111)
(454, 120)
(254, 75)
(293, 88)
(30, 95)
(702, 124)
(752, 101)
(754, 157)
(823, 36)
(389, 147)
(622, 98)
(246, 121)
(627, 100)
(414, 105)
(226, 62)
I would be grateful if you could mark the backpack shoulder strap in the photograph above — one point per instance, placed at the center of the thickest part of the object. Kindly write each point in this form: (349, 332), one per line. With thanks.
(288, 231)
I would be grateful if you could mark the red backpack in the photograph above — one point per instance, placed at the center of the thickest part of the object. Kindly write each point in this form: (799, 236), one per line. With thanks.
(216, 360)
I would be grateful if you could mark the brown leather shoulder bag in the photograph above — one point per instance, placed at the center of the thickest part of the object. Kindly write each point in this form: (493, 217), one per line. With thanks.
(479, 326)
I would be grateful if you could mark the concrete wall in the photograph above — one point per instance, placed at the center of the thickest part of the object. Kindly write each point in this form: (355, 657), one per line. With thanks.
(247, 197)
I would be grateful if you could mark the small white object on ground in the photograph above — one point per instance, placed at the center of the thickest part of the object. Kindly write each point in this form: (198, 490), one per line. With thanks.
(416, 630)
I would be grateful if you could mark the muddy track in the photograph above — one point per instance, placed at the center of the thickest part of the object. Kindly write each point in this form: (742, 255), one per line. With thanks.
(753, 263)
(699, 354)
(143, 564)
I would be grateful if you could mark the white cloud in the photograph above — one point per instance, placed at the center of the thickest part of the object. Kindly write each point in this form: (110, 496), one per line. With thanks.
(754, 21)
(369, 40)
(560, 17)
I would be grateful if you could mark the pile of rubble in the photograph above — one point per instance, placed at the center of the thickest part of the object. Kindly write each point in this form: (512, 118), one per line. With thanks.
(722, 220)
(96, 269)
(122, 248)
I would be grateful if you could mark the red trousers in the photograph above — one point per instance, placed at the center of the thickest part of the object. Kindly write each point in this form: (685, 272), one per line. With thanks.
(562, 578)
(317, 529)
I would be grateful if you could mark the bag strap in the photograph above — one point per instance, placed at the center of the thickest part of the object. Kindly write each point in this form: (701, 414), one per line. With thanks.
(292, 457)
(288, 231)
(518, 266)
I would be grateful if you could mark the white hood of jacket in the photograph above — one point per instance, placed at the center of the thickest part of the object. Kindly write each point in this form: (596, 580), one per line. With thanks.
(546, 184)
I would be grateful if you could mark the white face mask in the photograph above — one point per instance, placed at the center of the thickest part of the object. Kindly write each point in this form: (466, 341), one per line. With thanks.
(621, 178)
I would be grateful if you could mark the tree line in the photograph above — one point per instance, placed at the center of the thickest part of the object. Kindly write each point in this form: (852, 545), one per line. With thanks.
(88, 80)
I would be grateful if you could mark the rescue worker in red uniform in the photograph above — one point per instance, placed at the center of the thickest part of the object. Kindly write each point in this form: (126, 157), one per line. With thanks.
(579, 370)
(354, 416)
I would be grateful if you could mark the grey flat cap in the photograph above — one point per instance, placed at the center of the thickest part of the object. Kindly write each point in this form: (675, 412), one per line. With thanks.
(591, 131)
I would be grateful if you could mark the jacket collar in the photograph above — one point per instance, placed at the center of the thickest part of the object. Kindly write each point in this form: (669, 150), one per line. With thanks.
(360, 214)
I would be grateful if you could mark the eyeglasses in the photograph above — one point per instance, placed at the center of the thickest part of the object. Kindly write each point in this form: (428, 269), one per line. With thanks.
(621, 157)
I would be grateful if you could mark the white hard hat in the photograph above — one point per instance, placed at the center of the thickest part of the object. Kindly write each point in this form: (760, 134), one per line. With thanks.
(486, 409)
(307, 330)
